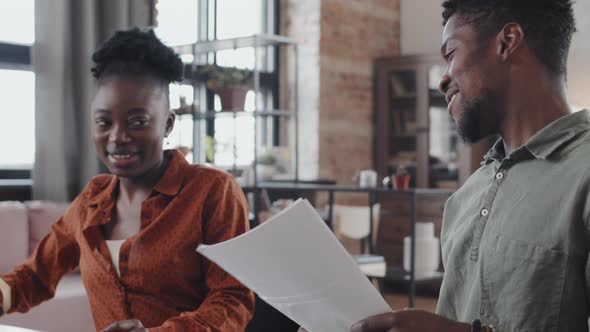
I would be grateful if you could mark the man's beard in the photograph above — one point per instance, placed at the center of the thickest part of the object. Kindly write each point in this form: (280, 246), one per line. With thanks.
(481, 117)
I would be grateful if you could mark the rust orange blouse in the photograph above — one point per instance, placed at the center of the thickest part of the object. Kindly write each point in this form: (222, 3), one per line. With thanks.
(164, 282)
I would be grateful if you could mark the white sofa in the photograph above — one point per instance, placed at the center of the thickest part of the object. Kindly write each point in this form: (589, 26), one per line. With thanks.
(22, 225)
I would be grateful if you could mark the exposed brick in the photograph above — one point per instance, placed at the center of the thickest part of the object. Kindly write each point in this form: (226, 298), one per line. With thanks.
(353, 34)
(349, 35)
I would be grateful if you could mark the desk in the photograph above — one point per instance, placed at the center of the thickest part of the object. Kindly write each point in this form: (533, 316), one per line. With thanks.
(6, 328)
(372, 199)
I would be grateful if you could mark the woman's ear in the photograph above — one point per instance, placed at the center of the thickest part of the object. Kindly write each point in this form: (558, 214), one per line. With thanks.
(170, 119)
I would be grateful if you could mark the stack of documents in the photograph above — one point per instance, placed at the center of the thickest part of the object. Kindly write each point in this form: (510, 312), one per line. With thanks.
(295, 263)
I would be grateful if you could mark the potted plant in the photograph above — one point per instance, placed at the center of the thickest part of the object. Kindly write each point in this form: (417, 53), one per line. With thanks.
(267, 165)
(230, 83)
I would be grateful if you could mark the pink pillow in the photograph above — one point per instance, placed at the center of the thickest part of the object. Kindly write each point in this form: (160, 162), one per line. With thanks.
(14, 235)
(42, 215)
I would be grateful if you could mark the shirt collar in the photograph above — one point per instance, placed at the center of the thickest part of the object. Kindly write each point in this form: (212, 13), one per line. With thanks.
(104, 187)
(558, 133)
(495, 153)
(171, 182)
(547, 140)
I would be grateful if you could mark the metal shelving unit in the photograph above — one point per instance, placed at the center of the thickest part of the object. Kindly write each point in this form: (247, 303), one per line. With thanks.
(394, 273)
(203, 52)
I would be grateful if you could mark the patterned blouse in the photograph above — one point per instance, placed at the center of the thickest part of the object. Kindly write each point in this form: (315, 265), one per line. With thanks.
(164, 282)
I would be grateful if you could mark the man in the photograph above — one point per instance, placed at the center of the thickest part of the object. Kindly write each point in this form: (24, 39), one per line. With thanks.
(515, 237)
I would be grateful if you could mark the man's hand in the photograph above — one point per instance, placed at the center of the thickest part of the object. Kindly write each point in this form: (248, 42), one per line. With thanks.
(131, 325)
(409, 320)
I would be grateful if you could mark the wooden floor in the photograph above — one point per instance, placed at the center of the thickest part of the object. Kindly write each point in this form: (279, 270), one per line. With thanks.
(396, 298)
(400, 301)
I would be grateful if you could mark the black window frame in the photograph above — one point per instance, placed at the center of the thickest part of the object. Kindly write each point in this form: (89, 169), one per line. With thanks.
(15, 57)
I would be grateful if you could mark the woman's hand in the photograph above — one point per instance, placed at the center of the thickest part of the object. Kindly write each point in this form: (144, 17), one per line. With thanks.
(409, 320)
(131, 325)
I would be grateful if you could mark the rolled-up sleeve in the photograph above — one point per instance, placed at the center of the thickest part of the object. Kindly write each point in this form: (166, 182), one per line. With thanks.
(36, 279)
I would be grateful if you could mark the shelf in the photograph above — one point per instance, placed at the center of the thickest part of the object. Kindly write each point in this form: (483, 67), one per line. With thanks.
(410, 133)
(397, 274)
(408, 164)
(238, 114)
(271, 126)
(404, 97)
(231, 114)
(261, 40)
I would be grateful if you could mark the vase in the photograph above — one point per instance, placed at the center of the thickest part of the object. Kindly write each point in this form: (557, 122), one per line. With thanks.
(401, 182)
(232, 98)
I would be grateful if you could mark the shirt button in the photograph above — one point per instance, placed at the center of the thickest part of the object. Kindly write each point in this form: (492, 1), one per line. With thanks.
(485, 212)
(499, 175)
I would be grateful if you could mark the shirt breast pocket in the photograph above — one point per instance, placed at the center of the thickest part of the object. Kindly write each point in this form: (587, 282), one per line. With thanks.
(523, 285)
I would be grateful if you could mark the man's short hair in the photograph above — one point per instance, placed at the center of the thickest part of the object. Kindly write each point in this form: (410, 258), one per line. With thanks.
(548, 24)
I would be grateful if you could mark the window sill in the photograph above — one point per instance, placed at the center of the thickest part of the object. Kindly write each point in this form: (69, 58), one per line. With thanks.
(16, 183)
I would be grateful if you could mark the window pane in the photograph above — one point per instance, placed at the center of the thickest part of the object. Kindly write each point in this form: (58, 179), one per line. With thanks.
(182, 134)
(239, 131)
(238, 18)
(178, 92)
(17, 21)
(177, 21)
(17, 118)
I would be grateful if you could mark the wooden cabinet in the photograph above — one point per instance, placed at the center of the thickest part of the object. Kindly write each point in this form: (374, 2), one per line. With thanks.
(413, 128)
(396, 218)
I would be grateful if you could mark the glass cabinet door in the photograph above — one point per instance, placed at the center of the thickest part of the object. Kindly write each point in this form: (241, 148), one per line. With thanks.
(404, 126)
(443, 141)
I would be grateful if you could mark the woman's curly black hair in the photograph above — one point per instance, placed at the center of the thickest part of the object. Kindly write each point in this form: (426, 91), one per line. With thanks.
(548, 24)
(137, 53)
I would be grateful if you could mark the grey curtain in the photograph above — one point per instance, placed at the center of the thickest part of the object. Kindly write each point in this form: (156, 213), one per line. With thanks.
(67, 32)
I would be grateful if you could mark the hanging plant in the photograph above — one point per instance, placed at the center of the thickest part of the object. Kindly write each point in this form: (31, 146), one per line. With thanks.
(218, 76)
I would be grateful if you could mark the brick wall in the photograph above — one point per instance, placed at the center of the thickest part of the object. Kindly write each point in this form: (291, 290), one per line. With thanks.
(353, 33)
(337, 121)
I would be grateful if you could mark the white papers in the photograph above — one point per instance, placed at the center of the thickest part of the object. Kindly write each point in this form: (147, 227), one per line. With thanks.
(295, 263)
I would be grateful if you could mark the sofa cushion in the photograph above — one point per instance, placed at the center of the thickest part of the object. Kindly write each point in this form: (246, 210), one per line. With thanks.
(14, 235)
(68, 311)
(41, 215)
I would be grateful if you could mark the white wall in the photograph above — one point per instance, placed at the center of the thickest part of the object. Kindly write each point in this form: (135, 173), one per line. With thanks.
(421, 26)
(302, 23)
(421, 29)
(579, 59)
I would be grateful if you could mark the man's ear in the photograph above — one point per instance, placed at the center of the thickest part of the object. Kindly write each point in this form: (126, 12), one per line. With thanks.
(509, 39)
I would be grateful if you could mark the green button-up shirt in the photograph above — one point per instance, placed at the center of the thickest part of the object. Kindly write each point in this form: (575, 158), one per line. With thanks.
(515, 237)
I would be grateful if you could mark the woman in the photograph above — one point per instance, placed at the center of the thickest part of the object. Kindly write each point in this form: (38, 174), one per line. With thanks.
(134, 233)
